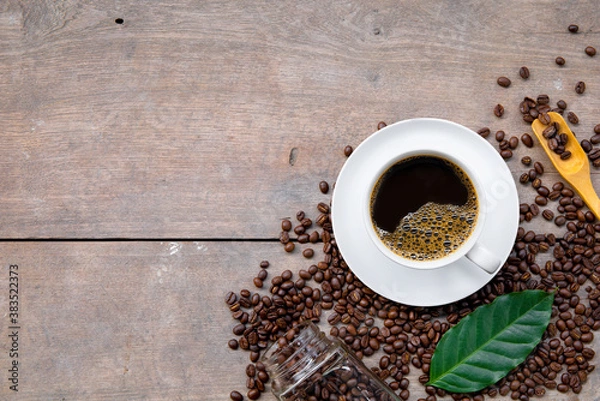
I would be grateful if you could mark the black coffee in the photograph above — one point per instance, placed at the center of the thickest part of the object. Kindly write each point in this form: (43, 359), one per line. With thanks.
(424, 207)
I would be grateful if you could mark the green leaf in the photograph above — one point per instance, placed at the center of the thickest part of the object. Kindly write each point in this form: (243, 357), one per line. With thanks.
(487, 344)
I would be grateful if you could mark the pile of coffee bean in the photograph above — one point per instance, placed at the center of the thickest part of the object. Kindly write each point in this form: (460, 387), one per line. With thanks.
(397, 341)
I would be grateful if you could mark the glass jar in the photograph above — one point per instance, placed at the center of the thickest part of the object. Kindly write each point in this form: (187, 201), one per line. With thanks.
(306, 365)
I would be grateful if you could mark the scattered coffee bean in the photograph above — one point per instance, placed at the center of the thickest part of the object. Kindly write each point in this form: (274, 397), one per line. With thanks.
(236, 396)
(504, 82)
(527, 140)
(524, 72)
(548, 214)
(348, 150)
(499, 136)
(498, 110)
(324, 187)
(560, 221)
(572, 117)
(381, 125)
(559, 61)
(561, 104)
(587, 145)
(580, 87)
(526, 160)
(543, 99)
(484, 132)
(308, 253)
(595, 139)
(590, 51)
(253, 394)
(539, 167)
(286, 225)
(597, 129)
(513, 142)
(506, 154)
(573, 28)
(289, 247)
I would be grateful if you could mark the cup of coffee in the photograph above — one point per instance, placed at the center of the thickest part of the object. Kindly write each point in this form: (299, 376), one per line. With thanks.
(425, 208)
(425, 211)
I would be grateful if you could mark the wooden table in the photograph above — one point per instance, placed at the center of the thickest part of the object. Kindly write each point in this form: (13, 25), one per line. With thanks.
(150, 149)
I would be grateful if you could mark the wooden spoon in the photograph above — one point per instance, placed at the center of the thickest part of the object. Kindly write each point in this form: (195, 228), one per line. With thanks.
(575, 169)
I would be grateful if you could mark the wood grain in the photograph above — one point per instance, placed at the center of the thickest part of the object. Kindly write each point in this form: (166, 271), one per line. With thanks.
(164, 126)
(211, 121)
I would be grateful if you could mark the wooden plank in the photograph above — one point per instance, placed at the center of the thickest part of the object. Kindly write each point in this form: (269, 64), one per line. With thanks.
(179, 123)
(138, 320)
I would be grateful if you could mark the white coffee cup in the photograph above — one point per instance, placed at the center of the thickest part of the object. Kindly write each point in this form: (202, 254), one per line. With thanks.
(470, 248)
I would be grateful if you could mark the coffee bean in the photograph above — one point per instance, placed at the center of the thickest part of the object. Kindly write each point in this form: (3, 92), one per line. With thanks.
(499, 110)
(258, 283)
(560, 221)
(289, 247)
(597, 129)
(230, 298)
(236, 396)
(554, 195)
(484, 132)
(348, 150)
(559, 61)
(543, 99)
(573, 28)
(253, 394)
(308, 253)
(539, 167)
(548, 214)
(541, 200)
(504, 81)
(527, 140)
(524, 72)
(524, 179)
(594, 154)
(580, 87)
(499, 136)
(587, 145)
(549, 132)
(565, 155)
(590, 51)
(286, 225)
(513, 142)
(572, 117)
(381, 125)
(594, 139)
(526, 160)
(544, 118)
(324, 187)
(506, 154)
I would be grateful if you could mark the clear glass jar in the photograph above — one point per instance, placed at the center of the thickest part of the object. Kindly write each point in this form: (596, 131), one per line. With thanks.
(306, 365)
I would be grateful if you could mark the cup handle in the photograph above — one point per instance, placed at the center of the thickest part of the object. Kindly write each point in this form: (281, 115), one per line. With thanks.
(483, 258)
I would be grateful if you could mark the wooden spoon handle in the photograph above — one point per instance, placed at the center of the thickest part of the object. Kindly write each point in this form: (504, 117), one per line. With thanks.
(584, 186)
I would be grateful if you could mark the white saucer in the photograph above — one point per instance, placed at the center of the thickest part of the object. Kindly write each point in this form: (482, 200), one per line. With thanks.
(401, 283)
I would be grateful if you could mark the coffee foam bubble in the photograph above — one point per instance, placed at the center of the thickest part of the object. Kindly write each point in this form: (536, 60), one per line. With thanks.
(433, 231)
